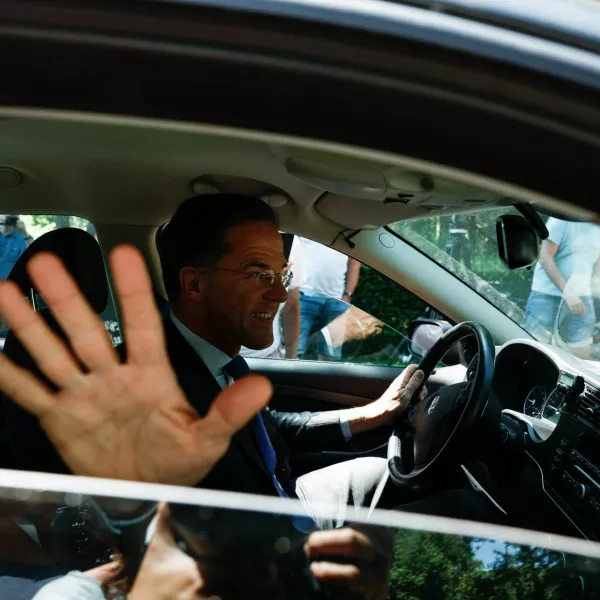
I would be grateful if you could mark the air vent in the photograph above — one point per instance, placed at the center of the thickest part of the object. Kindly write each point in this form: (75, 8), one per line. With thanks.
(589, 406)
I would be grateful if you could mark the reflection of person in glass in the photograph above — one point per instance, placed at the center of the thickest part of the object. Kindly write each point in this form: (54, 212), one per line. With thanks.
(561, 298)
(457, 243)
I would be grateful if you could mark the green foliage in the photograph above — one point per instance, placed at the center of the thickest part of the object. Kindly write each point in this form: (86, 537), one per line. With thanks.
(432, 566)
(481, 247)
(436, 566)
(383, 298)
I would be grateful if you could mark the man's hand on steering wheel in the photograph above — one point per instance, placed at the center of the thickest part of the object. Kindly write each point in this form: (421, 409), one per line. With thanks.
(396, 398)
(392, 403)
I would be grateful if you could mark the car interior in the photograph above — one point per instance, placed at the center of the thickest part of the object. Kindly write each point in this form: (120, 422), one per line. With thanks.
(126, 176)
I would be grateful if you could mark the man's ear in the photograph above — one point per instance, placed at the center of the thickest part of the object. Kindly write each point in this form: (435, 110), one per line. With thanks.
(192, 282)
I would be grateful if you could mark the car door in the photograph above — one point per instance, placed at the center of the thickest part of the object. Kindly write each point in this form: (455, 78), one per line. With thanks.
(59, 545)
(512, 103)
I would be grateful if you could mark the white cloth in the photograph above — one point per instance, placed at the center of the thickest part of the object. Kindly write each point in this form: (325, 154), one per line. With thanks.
(324, 269)
(73, 586)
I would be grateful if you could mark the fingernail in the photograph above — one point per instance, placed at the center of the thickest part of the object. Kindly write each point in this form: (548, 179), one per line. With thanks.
(419, 374)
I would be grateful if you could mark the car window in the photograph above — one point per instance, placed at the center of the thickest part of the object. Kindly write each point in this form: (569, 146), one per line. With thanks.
(17, 232)
(555, 300)
(57, 535)
(342, 311)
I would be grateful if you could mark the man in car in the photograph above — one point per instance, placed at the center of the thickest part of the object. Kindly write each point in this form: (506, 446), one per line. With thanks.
(158, 417)
(225, 274)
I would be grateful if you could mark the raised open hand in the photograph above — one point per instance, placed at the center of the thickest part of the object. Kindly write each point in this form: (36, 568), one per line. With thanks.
(119, 420)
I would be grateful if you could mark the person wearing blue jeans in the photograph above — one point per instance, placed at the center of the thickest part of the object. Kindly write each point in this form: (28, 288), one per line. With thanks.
(560, 306)
(329, 280)
(316, 312)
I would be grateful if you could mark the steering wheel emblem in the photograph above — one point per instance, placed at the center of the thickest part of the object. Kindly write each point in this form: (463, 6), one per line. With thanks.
(433, 404)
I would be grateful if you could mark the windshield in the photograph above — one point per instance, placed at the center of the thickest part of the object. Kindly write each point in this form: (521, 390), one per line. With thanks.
(555, 300)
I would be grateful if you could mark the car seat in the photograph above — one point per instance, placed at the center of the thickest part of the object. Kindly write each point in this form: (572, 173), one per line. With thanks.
(27, 446)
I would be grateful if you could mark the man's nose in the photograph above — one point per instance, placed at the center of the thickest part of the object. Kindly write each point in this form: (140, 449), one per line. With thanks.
(277, 292)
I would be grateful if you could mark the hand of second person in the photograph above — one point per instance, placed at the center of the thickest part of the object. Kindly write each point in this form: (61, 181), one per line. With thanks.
(110, 419)
(352, 560)
(166, 572)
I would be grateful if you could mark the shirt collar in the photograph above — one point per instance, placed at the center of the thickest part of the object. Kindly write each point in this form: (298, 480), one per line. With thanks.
(211, 356)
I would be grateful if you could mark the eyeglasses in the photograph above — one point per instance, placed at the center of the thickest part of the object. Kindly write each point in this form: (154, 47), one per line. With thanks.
(267, 275)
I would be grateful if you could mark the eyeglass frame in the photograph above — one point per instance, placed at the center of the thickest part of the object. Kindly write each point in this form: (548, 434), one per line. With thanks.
(264, 275)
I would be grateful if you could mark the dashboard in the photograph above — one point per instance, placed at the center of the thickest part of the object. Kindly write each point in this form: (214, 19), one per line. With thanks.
(556, 400)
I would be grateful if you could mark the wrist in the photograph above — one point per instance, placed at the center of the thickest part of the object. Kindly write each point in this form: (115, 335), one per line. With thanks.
(367, 417)
(347, 294)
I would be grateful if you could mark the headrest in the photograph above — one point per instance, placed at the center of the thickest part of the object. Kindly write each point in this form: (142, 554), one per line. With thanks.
(82, 257)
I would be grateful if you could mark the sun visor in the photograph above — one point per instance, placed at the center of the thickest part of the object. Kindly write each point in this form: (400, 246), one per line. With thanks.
(355, 213)
(358, 194)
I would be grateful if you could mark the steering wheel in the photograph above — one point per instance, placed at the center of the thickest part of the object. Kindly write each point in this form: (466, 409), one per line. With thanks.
(434, 429)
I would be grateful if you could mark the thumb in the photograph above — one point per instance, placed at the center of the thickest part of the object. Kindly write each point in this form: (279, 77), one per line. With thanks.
(414, 382)
(236, 405)
(163, 531)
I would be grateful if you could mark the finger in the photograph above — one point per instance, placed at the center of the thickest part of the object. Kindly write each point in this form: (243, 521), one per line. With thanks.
(142, 324)
(24, 388)
(423, 393)
(347, 576)
(47, 350)
(406, 375)
(413, 383)
(82, 326)
(104, 573)
(163, 533)
(233, 408)
(347, 542)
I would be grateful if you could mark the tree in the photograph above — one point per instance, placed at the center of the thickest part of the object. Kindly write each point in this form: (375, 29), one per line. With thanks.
(433, 566)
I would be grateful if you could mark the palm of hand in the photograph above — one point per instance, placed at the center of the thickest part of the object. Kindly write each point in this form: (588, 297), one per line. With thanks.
(125, 421)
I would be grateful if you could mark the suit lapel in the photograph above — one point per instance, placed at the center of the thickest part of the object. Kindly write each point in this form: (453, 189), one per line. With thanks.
(201, 388)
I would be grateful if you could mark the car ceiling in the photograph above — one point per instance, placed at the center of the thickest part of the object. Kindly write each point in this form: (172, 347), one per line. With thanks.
(127, 175)
(134, 173)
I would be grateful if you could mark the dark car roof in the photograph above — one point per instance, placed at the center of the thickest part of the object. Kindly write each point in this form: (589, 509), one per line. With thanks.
(576, 22)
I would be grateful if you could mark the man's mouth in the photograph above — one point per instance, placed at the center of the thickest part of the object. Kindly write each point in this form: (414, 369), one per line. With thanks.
(263, 316)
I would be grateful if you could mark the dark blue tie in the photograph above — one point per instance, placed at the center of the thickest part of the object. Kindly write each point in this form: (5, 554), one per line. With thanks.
(237, 368)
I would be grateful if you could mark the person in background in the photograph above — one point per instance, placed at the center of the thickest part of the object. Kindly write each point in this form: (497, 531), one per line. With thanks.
(23, 230)
(12, 244)
(564, 275)
(457, 243)
(330, 279)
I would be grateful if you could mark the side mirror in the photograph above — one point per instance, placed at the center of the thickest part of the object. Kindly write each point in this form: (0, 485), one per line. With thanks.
(518, 241)
(424, 333)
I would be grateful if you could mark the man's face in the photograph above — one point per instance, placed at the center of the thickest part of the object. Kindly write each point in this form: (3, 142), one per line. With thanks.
(239, 310)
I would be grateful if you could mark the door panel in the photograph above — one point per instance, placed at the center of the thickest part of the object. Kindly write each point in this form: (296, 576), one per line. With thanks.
(308, 385)
(318, 385)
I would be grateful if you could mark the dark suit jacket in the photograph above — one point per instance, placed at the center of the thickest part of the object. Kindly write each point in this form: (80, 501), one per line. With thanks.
(242, 469)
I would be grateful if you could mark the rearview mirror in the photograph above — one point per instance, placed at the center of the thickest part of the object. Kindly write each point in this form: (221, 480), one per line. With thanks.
(518, 241)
